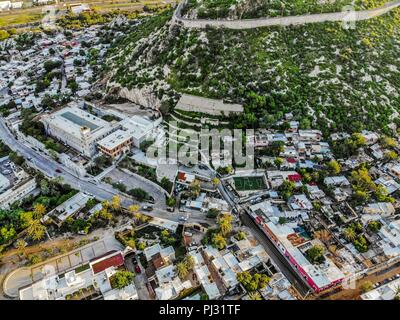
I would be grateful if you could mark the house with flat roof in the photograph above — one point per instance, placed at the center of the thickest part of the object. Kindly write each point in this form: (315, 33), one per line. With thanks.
(15, 185)
(203, 275)
(116, 144)
(67, 209)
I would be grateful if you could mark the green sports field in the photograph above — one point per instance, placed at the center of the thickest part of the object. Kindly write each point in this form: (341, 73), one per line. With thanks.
(248, 183)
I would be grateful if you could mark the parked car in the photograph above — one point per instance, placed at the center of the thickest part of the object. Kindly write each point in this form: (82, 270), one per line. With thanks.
(147, 208)
(134, 260)
(58, 170)
(137, 269)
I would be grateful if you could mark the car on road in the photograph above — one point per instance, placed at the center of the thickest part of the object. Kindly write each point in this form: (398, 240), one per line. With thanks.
(58, 170)
(134, 260)
(147, 208)
(137, 269)
(183, 219)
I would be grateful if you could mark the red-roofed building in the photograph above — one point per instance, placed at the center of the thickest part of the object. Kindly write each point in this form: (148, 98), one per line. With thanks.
(294, 177)
(181, 176)
(110, 259)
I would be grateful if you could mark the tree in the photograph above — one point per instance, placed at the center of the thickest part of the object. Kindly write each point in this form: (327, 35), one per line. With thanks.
(4, 35)
(316, 254)
(334, 167)
(139, 194)
(38, 210)
(218, 241)
(35, 229)
(105, 204)
(388, 142)
(382, 194)
(252, 282)
(213, 213)
(391, 155)
(367, 286)
(374, 226)
(121, 279)
(133, 209)
(116, 203)
(360, 243)
(21, 245)
(182, 270)
(323, 235)
(195, 188)
(189, 261)
(278, 162)
(138, 217)
(254, 296)
(141, 246)
(105, 214)
(215, 181)
(171, 201)
(240, 236)
(349, 234)
(225, 223)
(361, 196)
(362, 180)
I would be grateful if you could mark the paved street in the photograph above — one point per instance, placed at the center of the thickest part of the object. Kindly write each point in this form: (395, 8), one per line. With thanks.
(131, 181)
(283, 264)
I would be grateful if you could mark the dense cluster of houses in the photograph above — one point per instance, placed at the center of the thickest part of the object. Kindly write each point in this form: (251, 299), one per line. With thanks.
(21, 75)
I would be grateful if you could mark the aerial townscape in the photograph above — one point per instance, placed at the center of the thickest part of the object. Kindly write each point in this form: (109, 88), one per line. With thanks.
(200, 150)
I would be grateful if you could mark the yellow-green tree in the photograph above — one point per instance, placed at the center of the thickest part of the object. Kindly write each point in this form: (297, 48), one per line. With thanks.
(218, 241)
(182, 270)
(21, 246)
(39, 210)
(35, 229)
(116, 203)
(189, 262)
(215, 181)
(254, 295)
(334, 167)
(195, 188)
(225, 223)
(133, 209)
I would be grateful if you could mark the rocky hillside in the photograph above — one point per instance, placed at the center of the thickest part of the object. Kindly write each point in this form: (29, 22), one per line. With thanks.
(329, 77)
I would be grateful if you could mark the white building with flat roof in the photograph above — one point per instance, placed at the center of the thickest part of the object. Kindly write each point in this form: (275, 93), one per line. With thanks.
(68, 208)
(116, 144)
(140, 129)
(16, 191)
(78, 128)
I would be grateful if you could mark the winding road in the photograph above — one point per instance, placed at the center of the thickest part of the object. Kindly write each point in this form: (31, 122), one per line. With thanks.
(345, 16)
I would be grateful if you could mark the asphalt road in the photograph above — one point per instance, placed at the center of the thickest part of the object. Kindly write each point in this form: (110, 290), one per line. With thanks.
(341, 16)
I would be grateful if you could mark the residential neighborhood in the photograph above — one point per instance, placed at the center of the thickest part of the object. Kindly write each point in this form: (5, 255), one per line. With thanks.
(134, 167)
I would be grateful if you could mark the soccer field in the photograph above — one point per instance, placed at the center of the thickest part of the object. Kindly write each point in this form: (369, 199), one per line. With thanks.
(248, 183)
